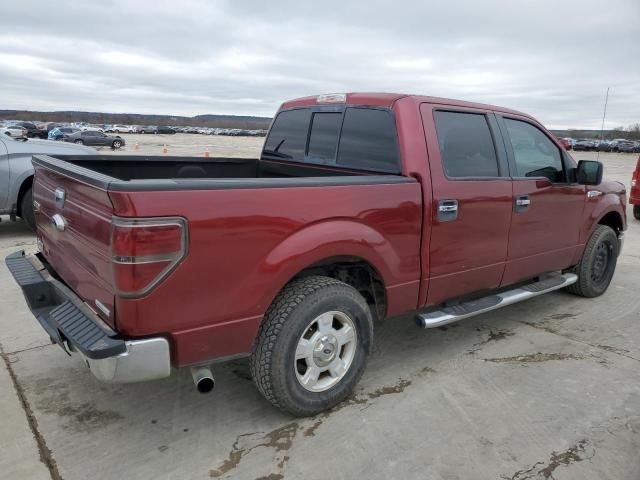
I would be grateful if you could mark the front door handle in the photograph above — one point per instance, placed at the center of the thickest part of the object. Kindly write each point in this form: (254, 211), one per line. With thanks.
(447, 210)
(522, 203)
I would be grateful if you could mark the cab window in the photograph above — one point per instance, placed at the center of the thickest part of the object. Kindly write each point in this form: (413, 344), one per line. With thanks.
(535, 155)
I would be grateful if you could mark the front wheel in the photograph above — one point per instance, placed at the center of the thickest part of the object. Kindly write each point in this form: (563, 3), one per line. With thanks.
(78, 142)
(636, 212)
(597, 265)
(312, 346)
(116, 144)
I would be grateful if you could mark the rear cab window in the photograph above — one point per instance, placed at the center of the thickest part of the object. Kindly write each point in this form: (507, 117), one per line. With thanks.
(466, 145)
(354, 137)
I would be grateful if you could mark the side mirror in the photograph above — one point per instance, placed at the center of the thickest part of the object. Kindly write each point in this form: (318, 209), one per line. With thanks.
(589, 172)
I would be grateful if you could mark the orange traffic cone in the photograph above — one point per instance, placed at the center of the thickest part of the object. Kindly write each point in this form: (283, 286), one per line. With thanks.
(137, 147)
(206, 153)
(164, 149)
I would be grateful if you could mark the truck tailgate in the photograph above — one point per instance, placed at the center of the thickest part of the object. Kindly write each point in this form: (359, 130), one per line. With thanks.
(74, 224)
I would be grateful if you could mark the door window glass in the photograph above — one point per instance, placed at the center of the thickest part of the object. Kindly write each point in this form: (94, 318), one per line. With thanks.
(466, 145)
(534, 153)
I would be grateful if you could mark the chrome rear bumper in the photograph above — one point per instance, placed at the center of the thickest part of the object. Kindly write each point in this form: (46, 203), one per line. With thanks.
(80, 332)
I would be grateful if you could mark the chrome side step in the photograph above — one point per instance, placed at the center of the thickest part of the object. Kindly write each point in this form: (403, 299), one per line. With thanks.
(492, 302)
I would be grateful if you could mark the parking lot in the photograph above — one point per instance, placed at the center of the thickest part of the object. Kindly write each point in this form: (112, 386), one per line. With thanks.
(184, 144)
(548, 388)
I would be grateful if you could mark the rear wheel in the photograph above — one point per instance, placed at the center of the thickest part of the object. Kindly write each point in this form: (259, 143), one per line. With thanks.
(26, 209)
(79, 142)
(597, 265)
(636, 212)
(312, 346)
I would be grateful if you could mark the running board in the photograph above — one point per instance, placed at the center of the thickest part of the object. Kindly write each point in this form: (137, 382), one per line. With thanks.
(492, 302)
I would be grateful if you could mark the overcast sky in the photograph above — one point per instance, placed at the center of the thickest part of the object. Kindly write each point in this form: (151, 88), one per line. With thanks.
(552, 59)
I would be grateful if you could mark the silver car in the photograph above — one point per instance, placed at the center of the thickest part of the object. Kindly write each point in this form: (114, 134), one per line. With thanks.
(16, 172)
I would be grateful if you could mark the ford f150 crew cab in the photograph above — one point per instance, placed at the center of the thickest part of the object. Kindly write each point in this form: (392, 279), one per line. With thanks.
(360, 207)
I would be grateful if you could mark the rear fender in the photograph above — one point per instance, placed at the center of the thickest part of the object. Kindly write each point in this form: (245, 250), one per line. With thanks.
(320, 241)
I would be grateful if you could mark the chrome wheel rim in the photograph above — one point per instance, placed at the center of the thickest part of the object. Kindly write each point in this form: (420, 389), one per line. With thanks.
(325, 351)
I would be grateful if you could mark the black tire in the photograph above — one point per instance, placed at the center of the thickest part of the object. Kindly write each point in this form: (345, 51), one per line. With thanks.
(636, 212)
(79, 142)
(116, 144)
(597, 265)
(26, 209)
(272, 363)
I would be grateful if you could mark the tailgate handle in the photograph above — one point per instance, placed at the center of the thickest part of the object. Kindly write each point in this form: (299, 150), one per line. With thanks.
(58, 222)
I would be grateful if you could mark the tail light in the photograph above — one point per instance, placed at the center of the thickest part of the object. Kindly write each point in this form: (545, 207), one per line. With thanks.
(144, 251)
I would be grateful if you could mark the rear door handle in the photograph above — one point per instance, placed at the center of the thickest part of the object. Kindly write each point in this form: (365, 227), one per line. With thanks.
(447, 210)
(522, 203)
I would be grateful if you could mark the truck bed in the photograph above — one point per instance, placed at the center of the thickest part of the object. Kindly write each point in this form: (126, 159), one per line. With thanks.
(129, 168)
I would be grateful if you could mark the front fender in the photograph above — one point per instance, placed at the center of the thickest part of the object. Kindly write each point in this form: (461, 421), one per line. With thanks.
(334, 238)
(596, 209)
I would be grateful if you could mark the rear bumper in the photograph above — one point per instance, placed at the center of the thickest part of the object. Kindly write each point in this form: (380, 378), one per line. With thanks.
(79, 331)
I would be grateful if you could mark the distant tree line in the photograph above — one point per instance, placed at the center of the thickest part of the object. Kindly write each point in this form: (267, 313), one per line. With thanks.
(211, 121)
(631, 132)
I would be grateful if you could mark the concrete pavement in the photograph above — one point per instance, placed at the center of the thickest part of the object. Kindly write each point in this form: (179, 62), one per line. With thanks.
(548, 388)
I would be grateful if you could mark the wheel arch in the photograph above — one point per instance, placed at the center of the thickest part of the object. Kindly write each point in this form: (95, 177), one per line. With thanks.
(614, 220)
(344, 249)
(26, 184)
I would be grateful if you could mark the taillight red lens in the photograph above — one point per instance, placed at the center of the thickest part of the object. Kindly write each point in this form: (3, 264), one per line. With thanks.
(145, 251)
(146, 240)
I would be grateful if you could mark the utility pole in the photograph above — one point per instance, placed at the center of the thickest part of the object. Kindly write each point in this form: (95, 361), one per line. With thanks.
(604, 114)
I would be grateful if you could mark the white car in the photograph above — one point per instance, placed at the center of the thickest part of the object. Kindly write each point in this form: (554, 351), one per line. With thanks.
(90, 128)
(14, 131)
(123, 129)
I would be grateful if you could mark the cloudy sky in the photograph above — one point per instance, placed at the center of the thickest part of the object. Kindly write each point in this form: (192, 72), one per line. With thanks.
(553, 59)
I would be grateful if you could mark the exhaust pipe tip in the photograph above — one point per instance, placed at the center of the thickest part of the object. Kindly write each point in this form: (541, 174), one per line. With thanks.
(203, 379)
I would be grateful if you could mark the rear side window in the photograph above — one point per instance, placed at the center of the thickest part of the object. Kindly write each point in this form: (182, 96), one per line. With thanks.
(368, 140)
(534, 153)
(323, 139)
(288, 135)
(466, 145)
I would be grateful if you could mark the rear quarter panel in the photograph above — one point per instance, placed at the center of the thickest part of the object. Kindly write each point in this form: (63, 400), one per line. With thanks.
(246, 244)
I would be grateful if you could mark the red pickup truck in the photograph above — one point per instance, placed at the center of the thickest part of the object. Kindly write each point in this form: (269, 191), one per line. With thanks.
(360, 207)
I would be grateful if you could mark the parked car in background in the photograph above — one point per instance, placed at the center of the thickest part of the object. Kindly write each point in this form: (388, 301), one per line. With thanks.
(32, 130)
(626, 147)
(565, 142)
(122, 129)
(330, 229)
(91, 128)
(16, 172)
(147, 129)
(165, 130)
(584, 145)
(15, 131)
(95, 139)
(58, 133)
(604, 146)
